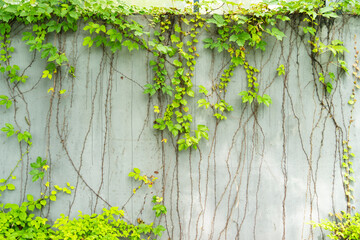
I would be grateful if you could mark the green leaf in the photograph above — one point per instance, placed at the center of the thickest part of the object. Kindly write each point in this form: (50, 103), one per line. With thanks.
(237, 60)
(130, 45)
(283, 18)
(330, 15)
(174, 132)
(8, 104)
(177, 63)
(31, 207)
(35, 178)
(326, 9)
(10, 186)
(240, 39)
(158, 230)
(262, 44)
(177, 28)
(87, 41)
(174, 38)
(209, 43)
(30, 198)
(22, 216)
(310, 30)
(180, 71)
(276, 33)
(267, 100)
(218, 20)
(191, 93)
(329, 87)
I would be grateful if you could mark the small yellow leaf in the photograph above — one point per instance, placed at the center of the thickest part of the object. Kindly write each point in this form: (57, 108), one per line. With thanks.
(339, 216)
(45, 73)
(47, 184)
(51, 89)
(156, 109)
(164, 140)
(134, 190)
(45, 167)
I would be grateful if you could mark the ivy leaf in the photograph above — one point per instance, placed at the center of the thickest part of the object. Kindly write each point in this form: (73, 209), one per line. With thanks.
(11, 187)
(218, 20)
(209, 43)
(180, 71)
(74, 15)
(329, 87)
(30, 198)
(88, 41)
(185, 21)
(8, 104)
(177, 28)
(276, 33)
(262, 44)
(158, 230)
(326, 9)
(177, 63)
(240, 39)
(237, 60)
(130, 45)
(191, 93)
(283, 18)
(330, 15)
(310, 30)
(266, 99)
(161, 48)
(328, 12)
(174, 38)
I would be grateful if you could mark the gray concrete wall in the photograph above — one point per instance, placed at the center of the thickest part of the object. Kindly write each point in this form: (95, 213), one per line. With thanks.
(264, 173)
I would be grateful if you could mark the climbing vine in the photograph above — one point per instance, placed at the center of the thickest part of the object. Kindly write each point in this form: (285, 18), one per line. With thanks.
(173, 42)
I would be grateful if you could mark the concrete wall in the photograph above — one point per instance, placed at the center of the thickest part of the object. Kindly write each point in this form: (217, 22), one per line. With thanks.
(264, 173)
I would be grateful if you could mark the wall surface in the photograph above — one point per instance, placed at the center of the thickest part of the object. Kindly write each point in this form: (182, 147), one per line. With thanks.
(264, 173)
